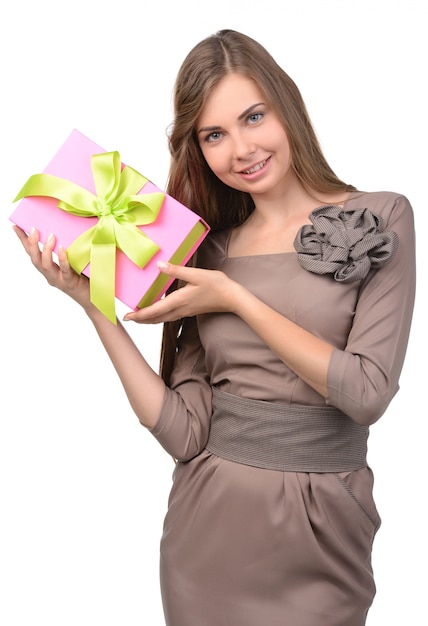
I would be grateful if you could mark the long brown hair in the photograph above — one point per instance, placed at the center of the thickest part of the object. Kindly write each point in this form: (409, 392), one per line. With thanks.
(190, 179)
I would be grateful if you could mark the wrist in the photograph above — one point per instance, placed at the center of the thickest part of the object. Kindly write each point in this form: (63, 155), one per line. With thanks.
(239, 298)
(94, 313)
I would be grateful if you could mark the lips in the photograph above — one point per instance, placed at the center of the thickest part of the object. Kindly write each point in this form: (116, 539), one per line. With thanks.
(255, 168)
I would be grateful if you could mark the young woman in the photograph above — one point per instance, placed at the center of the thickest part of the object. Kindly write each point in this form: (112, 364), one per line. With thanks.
(283, 344)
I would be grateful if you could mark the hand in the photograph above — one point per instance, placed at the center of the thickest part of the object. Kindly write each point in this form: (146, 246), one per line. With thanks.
(206, 291)
(59, 275)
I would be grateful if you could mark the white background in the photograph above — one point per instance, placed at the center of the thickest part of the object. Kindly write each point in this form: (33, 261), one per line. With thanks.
(83, 487)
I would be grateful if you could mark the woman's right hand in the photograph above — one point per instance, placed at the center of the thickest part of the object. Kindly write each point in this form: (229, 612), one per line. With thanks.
(59, 275)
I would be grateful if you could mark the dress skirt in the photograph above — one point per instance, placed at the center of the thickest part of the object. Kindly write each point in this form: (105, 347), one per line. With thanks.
(244, 546)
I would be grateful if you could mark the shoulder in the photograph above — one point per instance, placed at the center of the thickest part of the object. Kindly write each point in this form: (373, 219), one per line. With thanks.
(388, 205)
(382, 200)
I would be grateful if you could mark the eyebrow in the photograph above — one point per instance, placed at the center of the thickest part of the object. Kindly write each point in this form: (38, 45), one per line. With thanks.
(240, 117)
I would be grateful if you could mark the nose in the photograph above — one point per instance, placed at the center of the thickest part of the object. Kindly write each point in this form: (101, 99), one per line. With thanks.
(243, 146)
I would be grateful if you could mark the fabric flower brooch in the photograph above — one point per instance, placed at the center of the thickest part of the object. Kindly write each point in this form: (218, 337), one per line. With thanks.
(345, 244)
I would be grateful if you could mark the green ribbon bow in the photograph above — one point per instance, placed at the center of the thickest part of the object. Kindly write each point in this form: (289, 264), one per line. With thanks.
(120, 210)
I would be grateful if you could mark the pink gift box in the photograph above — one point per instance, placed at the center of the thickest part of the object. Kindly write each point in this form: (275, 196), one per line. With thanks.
(177, 230)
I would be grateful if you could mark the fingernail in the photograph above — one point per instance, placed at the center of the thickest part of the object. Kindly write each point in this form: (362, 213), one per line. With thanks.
(162, 265)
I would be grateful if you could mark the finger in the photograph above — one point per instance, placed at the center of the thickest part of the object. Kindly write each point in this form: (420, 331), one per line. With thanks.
(63, 261)
(33, 247)
(164, 310)
(47, 251)
(21, 234)
(23, 237)
(148, 315)
(182, 272)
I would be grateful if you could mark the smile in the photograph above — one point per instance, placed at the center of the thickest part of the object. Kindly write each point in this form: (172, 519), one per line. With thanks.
(255, 168)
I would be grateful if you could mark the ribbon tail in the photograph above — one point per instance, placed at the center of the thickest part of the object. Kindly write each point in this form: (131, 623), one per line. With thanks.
(100, 252)
(102, 279)
(79, 252)
(134, 243)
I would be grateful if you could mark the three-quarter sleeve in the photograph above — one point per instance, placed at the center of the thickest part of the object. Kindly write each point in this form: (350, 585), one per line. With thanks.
(364, 377)
(183, 425)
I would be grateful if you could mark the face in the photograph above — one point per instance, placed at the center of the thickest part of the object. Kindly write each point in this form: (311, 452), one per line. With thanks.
(242, 139)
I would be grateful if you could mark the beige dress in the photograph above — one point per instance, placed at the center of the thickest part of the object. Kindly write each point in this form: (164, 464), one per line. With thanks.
(246, 546)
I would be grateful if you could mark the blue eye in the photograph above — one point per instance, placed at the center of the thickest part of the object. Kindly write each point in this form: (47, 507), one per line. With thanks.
(255, 117)
(213, 136)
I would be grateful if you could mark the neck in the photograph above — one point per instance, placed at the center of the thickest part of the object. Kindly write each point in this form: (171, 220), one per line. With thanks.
(293, 201)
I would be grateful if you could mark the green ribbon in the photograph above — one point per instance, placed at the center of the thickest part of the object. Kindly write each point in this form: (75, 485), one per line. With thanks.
(120, 210)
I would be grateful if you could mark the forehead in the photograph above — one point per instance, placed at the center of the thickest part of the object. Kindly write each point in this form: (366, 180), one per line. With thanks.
(229, 98)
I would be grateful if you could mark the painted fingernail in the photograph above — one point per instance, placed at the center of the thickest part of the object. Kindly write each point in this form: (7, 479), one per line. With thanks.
(162, 265)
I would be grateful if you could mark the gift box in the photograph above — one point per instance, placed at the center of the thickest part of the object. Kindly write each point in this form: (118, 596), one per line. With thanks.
(114, 223)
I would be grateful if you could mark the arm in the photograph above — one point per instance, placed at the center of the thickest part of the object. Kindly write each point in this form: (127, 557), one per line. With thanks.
(184, 422)
(361, 377)
(144, 388)
(209, 291)
(364, 376)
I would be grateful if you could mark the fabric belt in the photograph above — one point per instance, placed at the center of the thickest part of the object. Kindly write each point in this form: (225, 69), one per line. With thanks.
(289, 438)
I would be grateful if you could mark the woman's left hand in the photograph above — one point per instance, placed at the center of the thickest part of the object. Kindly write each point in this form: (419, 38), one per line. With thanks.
(206, 291)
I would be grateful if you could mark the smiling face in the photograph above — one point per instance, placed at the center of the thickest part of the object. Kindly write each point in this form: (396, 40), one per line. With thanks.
(242, 139)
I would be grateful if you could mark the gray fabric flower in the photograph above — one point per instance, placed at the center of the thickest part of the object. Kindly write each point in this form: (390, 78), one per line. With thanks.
(344, 243)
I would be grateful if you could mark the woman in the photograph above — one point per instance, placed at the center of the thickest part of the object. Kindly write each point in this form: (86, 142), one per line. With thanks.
(283, 345)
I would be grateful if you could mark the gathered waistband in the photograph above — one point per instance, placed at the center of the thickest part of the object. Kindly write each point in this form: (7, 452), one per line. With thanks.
(290, 438)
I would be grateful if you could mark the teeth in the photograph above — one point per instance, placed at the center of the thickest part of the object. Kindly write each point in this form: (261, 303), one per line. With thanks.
(256, 168)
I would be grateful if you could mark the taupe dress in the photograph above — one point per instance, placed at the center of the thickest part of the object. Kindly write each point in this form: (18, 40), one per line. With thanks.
(248, 546)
